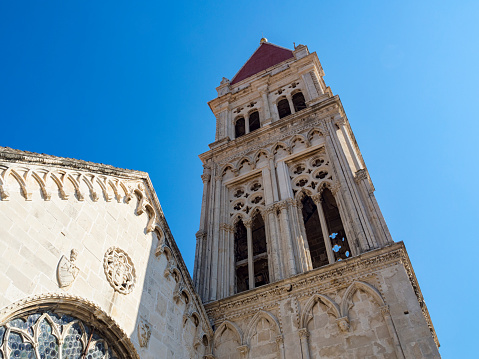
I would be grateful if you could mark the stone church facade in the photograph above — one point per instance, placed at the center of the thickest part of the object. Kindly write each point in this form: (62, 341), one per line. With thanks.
(293, 256)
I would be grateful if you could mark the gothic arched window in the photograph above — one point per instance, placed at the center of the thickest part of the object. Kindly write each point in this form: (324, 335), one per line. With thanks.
(47, 335)
(241, 257)
(260, 251)
(337, 235)
(240, 128)
(254, 121)
(283, 108)
(314, 233)
(298, 101)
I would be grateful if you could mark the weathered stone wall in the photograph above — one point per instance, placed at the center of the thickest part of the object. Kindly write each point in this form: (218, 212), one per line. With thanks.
(47, 211)
(363, 307)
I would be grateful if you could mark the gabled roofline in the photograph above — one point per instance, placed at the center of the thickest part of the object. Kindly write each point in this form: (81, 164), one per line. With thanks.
(249, 58)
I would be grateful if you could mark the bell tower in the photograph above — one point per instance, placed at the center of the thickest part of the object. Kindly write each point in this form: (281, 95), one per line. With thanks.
(288, 206)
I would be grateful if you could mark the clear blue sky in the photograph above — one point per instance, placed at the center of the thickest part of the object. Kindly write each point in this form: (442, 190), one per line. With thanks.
(127, 83)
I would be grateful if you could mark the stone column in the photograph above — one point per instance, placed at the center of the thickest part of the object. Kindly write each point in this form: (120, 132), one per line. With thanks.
(324, 227)
(288, 240)
(392, 331)
(340, 123)
(347, 176)
(249, 237)
(367, 190)
(280, 344)
(351, 204)
(275, 241)
(303, 240)
(274, 181)
(290, 100)
(267, 112)
(215, 239)
(303, 337)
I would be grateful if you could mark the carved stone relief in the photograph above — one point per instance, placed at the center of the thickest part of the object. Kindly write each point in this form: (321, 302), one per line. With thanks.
(67, 271)
(119, 270)
(144, 332)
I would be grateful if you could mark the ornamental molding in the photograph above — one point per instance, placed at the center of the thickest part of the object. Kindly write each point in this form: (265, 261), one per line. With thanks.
(321, 280)
(119, 270)
(290, 129)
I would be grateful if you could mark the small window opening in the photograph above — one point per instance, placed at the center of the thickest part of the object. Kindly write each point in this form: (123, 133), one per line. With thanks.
(260, 252)
(254, 121)
(240, 128)
(337, 235)
(298, 102)
(314, 234)
(283, 108)
(241, 257)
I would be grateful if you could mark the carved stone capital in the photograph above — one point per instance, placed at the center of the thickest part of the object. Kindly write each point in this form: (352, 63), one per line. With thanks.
(243, 350)
(248, 222)
(340, 121)
(303, 333)
(291, 201)
(281, 205)
(218, 178)
(335, 188)
(316, 198)
(200, 235)
(360, 175)
(205, 177)
(343, 324)
(226, 227)
(270, 209)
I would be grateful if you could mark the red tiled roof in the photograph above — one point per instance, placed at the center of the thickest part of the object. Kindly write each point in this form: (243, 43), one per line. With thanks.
(265, 56)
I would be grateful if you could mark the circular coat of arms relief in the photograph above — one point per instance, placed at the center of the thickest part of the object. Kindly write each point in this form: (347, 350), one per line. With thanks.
(119, 270)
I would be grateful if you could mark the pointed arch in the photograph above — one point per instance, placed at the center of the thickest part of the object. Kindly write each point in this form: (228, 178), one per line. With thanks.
(358, 285)
(306, 316)
(114, 188)
(262, 314)
(237, 217)
(76, 184)
(303, 192)
(231, 326)
(242, 161)
(46, 195)
(278, 145)
(300, 138)
(20, 180)
(103, 188)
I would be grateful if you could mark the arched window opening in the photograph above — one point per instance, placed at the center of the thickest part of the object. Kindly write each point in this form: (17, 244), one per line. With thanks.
(298, 101)
(314, 234)
(241, 257)
(50, 335)
(240, 128)
(337, 235)
(260, 252)
(254, 121)
(283, 108)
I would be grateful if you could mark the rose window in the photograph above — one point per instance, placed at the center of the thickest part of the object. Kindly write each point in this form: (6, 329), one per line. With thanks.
(52, 336)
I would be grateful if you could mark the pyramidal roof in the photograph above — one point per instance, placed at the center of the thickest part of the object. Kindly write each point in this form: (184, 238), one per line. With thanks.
(265, 56)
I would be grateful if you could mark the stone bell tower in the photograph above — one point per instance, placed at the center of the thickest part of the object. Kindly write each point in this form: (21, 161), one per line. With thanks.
(293, 256)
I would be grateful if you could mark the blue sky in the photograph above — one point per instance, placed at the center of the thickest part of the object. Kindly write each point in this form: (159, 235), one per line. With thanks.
(127, 83)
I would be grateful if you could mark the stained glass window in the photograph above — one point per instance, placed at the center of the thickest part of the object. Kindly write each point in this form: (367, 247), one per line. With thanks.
(52, 336)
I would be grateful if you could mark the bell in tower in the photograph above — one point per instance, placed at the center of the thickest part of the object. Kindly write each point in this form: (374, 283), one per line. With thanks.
(294, 258)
